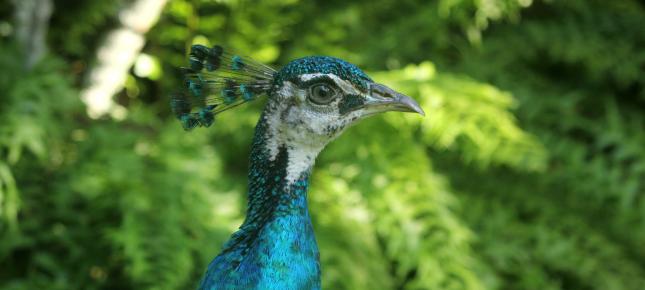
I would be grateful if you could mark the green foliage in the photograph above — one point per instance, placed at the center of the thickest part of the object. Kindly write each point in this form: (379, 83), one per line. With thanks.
(528, 171)
(468, 116)
(582, 96)
(27, 120)
(422, 240)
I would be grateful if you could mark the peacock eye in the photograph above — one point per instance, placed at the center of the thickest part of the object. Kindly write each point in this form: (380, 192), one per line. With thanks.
(322, 94)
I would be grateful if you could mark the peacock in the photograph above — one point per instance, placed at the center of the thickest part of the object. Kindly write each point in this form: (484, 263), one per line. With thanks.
(310, 101)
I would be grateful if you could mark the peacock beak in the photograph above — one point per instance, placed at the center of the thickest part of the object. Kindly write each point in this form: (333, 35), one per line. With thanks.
(383, 99)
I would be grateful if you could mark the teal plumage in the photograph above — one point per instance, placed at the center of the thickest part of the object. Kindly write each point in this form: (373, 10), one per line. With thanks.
(275, 247)
(310, 102)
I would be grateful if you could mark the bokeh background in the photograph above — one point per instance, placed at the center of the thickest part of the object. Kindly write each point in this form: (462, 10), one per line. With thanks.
(528, 171)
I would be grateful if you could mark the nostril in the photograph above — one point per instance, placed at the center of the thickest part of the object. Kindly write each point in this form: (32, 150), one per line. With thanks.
(378, 90)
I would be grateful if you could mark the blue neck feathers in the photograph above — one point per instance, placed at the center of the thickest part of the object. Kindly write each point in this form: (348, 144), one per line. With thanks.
(275, 247)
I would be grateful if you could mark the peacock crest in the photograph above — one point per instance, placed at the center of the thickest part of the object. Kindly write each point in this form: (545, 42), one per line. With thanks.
(216, 81)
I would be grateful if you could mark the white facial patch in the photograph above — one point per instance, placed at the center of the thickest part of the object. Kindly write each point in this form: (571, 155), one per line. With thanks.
(288, 90)
(304, 139)
(304, 131)
(286, 129)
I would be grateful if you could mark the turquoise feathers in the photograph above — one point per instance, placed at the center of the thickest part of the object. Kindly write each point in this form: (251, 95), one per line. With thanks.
(323, 65)
(216, 81)
(275, 247)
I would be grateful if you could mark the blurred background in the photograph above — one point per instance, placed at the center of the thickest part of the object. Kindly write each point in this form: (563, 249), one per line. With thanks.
(528, 171)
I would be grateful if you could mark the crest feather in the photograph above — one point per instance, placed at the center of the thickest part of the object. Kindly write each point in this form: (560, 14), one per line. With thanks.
(218, 80)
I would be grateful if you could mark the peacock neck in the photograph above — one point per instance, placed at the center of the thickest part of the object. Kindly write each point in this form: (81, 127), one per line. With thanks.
(274, 186)
(275, 247)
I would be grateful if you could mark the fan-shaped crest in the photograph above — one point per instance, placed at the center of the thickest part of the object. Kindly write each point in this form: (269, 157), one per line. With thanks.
(216, 81)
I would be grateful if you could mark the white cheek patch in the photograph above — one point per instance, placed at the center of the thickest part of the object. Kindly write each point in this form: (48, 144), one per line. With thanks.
(310, 131)
(285, 128)
(304, 139)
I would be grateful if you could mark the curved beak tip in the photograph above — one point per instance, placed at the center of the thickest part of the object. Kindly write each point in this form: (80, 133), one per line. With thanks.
(410, 104)
(417, 109)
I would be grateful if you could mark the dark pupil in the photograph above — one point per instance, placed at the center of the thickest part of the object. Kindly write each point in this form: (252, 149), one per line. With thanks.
(322, 92)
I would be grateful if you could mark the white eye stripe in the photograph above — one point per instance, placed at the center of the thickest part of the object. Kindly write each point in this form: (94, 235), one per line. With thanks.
(308, 77)
(344, 85)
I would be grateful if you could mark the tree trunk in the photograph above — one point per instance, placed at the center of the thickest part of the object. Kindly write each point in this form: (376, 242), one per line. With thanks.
(32, 22)
(117, 54)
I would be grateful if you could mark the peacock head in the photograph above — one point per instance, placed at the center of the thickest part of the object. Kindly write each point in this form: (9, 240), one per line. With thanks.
(317, 97)
(311, 100)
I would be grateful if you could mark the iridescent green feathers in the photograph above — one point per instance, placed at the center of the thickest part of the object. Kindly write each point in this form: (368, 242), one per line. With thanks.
(216, 81)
